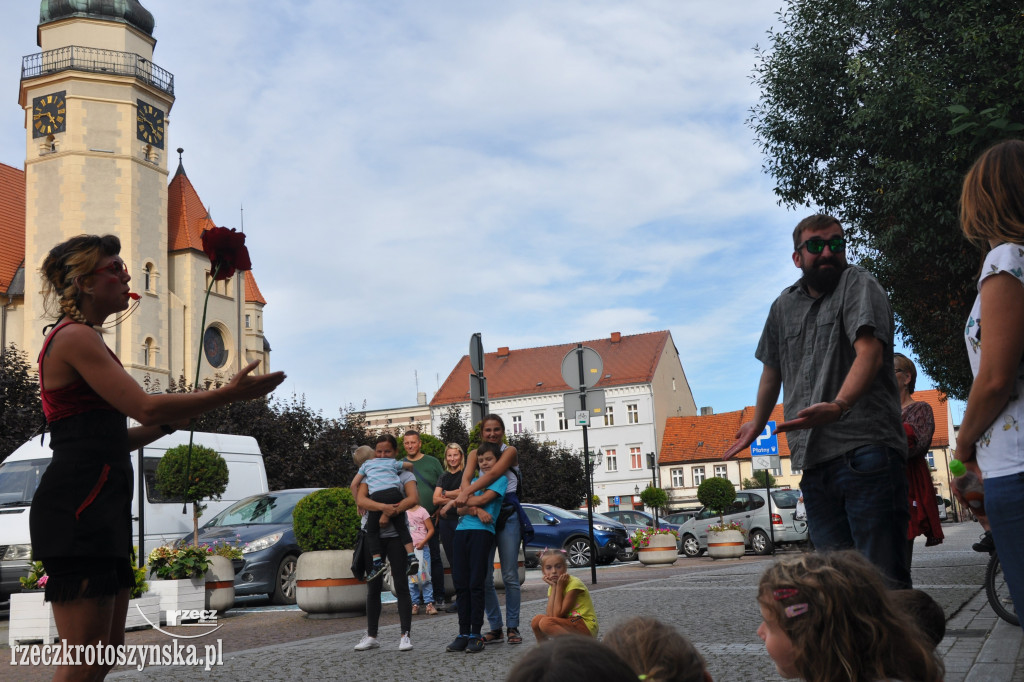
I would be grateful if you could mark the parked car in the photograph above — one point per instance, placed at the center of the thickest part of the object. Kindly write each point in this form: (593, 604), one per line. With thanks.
(682, 516)
(750, 510)
(635, 520)
(263, 524)
(557, 527)
(627, 553)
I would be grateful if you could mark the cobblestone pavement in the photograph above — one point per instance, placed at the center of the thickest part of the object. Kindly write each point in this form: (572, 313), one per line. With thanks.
(713, 603)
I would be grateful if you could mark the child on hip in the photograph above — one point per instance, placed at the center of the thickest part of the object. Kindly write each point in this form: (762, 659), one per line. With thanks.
(569, 609)
(829, 617)
(421, 528)
(381, 475)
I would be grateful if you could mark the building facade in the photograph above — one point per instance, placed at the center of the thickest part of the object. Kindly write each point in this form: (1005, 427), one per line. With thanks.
(643, 382)
(96, 162)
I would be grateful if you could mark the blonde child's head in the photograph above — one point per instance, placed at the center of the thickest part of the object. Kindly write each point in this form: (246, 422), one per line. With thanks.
(828, 616)
(657, 651)
(551, 556)
(362, 454)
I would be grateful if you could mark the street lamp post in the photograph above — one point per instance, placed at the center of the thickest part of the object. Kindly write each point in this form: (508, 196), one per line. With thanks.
(654, 481)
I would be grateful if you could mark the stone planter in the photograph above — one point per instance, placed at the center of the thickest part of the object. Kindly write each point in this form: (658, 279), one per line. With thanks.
(31, 619)
(727, 544)
(499, 583)
(325, 586)
(143, 612)
(220, 584)
(188, 594)
(660, 549)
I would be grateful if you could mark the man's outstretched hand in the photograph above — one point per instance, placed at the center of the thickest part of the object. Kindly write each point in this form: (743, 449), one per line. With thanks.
(744, 437)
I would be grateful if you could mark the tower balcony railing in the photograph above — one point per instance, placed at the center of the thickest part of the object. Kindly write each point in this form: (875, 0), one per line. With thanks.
(77, 58)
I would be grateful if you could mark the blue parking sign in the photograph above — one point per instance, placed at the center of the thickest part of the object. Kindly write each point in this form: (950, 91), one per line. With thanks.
(767, 443)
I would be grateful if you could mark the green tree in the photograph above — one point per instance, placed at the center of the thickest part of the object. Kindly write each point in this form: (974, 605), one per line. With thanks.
(873, 111)
(552, 474)
(21, 412)
(758, 480)
(453, 427)
(654, 498)
(717, 494)
(207, 478)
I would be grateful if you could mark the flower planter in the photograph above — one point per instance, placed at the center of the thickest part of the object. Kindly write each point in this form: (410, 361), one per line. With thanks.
(31, 619)
(220, 584)
(726, 544)
(325, 586)
(499, 583)
(660, 549)
(188, 594)
(143, 612)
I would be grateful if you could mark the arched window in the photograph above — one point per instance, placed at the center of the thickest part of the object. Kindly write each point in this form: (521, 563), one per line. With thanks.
(148, 281)
(149, 353)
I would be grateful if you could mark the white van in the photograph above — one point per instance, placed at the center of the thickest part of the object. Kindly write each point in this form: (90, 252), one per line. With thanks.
(163, 520)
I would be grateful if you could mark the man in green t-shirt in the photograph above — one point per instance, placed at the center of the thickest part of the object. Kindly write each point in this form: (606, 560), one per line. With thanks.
(427, 470)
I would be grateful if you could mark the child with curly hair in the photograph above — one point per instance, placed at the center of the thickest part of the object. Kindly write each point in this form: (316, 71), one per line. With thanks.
(656, 651)
(829, 617)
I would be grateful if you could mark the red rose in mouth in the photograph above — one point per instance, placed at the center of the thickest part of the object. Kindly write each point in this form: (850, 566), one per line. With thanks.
(227, 252)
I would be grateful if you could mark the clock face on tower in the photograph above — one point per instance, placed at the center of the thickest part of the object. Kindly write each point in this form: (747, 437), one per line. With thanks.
(150, 127)
(49, 114)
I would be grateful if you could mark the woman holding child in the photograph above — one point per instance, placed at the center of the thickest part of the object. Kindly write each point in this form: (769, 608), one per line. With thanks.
(508, 538)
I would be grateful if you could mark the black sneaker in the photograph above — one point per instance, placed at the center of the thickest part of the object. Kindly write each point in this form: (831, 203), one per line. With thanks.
(375, 570)
(414, 566)
(458, 644)
(986, 544)
(475, 645)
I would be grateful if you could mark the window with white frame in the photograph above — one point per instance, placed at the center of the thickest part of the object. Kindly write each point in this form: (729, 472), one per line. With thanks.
(538, 421)
(609, 416)
(563, 423)
(636, 460)
(929, 457)
(517, 423)
(698, 475)
(611, 461)
(632, 415)
(721, 471)
(677, 478)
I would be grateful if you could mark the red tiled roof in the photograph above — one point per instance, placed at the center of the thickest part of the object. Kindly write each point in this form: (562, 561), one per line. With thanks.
(252, 292)
(187, 218)
(529, 371)
(12, 223)
(699, 439)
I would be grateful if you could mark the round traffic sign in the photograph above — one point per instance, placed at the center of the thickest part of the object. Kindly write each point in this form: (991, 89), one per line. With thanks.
(591, 371)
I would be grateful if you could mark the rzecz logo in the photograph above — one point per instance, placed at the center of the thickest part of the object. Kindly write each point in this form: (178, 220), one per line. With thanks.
(201, 616)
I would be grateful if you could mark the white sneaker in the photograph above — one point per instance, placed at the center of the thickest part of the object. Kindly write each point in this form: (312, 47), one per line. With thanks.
(405, 644)
(368, 642)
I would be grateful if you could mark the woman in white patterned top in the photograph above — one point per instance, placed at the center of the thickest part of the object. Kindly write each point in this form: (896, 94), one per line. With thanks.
(990, 439)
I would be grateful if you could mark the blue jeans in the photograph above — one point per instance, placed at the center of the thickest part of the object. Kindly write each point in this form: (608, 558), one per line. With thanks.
(507, 543)
(859, 501)
(1003, 497)
(426, 589)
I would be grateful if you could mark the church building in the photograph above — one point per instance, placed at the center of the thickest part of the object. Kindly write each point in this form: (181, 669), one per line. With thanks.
(96, 162)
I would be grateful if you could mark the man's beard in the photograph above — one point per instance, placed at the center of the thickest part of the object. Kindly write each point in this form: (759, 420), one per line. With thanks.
(822, 279)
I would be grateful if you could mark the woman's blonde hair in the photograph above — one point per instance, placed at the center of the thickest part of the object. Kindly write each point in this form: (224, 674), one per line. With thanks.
(64, 267)
(905, 364)
(835, 610)
(462, 453)
(992, 200)
(657, 651)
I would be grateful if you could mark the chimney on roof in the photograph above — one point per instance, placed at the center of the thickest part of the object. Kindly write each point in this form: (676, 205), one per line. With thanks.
(503, 352)
(707, 411)
(421, 398)
(616, 337)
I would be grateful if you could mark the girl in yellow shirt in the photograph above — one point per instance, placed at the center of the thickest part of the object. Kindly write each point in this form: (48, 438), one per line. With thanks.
(570, 610)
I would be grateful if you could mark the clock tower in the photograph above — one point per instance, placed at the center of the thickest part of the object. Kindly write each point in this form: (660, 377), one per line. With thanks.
(96, 110)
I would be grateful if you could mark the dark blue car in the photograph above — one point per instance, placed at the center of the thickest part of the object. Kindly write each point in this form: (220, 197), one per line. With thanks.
(263, 525)
(556, 527)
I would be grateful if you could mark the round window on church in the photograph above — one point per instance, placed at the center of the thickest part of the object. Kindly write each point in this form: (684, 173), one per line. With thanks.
(213, 346)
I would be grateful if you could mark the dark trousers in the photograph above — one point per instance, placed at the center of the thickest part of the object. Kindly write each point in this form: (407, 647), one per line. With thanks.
(859, 501)
(394, 550)
(386, 496)
(436, 565)
(472, 563)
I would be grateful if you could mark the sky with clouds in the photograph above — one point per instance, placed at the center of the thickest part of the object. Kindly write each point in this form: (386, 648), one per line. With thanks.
(414, 172)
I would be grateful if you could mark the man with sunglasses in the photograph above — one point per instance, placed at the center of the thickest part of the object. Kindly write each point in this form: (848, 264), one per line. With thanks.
(829, 340)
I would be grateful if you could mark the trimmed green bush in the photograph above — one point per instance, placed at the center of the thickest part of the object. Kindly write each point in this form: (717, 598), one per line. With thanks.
(717, 494)
(208, 474)
(654, 498)
(326, 519)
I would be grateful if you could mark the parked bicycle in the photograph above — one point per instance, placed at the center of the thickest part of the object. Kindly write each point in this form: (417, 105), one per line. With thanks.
(997, 591)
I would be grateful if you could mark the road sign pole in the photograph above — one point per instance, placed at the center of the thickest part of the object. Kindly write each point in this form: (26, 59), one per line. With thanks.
(588, 469)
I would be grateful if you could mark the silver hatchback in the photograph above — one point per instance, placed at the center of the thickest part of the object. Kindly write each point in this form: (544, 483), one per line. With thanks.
(750, 510)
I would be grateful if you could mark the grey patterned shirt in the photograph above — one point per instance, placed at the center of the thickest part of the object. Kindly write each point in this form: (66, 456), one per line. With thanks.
(810, 341)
